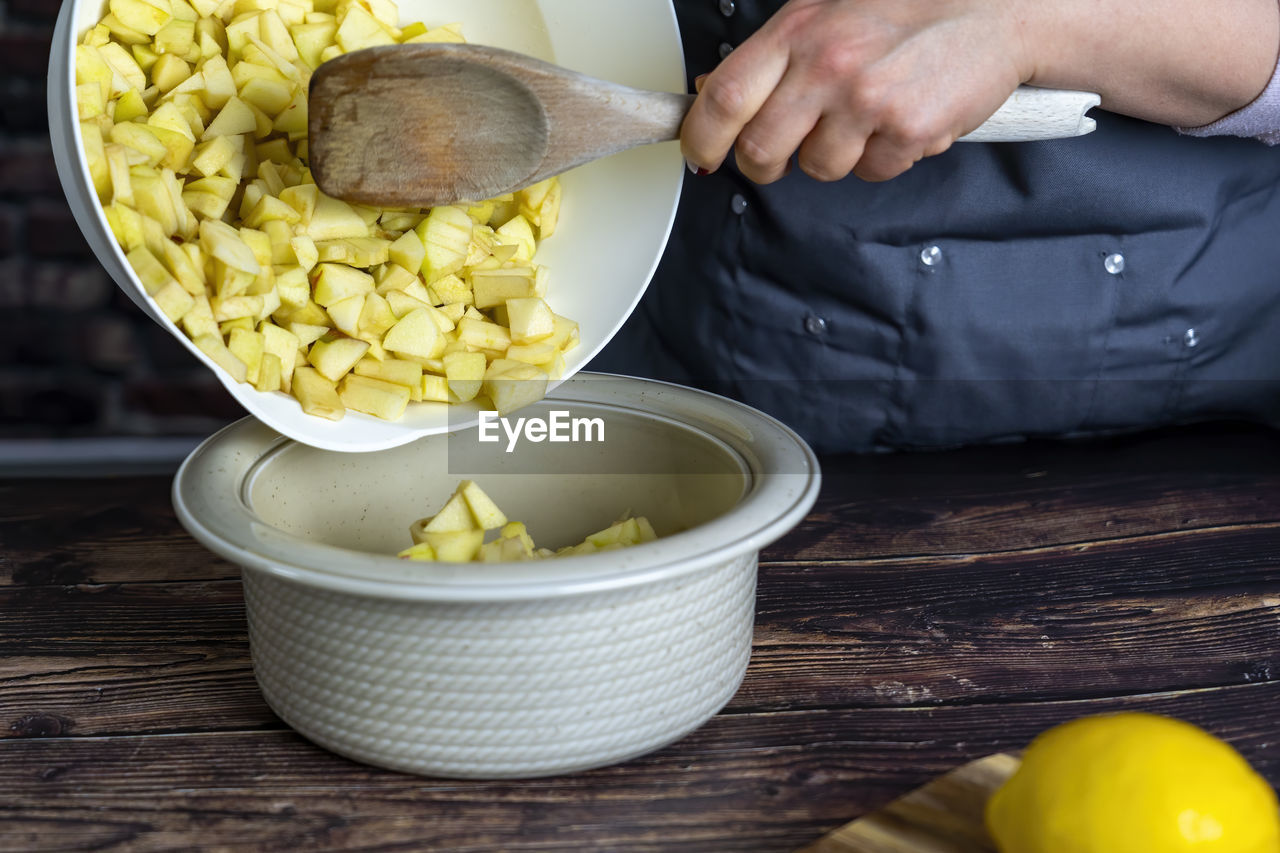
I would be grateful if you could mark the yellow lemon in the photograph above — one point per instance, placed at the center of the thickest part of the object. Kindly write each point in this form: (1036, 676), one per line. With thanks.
(1133, 783)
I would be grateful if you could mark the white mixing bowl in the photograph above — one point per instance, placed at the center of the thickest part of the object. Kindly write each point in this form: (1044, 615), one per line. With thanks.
(614, 224)
(515, 669)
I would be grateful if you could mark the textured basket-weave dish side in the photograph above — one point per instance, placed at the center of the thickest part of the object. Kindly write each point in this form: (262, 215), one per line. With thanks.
(503, 690)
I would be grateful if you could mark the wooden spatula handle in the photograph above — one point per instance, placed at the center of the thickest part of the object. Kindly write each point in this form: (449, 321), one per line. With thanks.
(1030, 114)
(1033, 114)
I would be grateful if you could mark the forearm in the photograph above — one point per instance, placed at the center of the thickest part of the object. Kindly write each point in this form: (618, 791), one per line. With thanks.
(1176, 62)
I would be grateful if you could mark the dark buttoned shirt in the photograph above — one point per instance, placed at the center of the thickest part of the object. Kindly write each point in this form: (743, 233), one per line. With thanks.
(1121, 280)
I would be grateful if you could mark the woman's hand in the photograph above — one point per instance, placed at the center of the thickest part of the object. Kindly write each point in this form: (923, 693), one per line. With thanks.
(861, 86)
(869, 87)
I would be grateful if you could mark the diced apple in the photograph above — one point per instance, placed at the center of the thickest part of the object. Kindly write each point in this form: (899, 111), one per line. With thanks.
(446, 236)
(530, 320)
(216, 350)
(514, 386)
(435, 388)
(144, 16)
(345, 314)
(422, 552)
(302, 198)
(519, 232)
(451, 290)
(485, 512)
(312, 38)
(317, 394)
(211, 157)
(335, 282)
(219, 85)
(283, 345)
(494, 287)
(173, 301)
(334, 359)
(292, 120)
(248, 347)
(293, 286)
(395, 370)
(464, 371)
(416, 334)
(483, 334)
(408, 251)
(140, 138)
(332, 219)
(359, 29)
(199, 320)
(169, 71)
(376, 397)
(234, 118)
(151, 273)
(458, 546)
(307, 333)
(356, 251)
(376, 317)
(454, 516)
(540, 353)
(270, 377)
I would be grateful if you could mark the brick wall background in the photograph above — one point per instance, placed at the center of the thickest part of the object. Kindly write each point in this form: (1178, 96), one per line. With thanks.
(77, 358)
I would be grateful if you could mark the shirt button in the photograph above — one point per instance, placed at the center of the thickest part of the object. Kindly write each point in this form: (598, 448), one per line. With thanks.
(738, 204)
(1114, 263)
(815, 325)
(725, 49)
(1191, 339)
(931, 256)
(728, 7)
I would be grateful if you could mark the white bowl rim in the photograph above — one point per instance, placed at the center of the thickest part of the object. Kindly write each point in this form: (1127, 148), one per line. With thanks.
(356, 432)
(208, 498)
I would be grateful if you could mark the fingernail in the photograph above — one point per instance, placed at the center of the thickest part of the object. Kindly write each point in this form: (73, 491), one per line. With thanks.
(698, 81)
(696, 170)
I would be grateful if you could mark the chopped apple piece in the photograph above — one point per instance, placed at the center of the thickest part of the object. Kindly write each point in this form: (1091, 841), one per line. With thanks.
(334, 359)
(514, 386)
(376, 397)
(416, 334)
(215, 349)
(317, 394)
(435, 389)
(456, 546)
(395, 370)
(247, 346)
(483, 334)
(446, 236)
(453, 516)
(332, 219)
(494, 287)
(485, 512)
(530, 320)
(335, 282)
(464, 372)
(234, 118)
(408, 251)
(144, 16)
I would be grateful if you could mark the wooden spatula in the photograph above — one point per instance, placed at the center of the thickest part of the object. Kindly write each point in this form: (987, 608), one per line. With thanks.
(417, 125)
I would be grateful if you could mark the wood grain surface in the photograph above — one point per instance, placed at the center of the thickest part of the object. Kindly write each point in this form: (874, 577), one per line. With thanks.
(932, 609)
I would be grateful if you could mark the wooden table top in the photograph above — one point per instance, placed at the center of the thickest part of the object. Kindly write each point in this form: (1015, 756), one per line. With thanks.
(931, 609)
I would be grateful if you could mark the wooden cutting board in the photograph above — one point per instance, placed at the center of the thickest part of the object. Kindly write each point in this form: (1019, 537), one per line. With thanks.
(944, 816)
